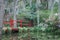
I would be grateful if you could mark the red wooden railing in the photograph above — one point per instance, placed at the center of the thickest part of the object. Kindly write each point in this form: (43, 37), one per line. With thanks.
(11, 23)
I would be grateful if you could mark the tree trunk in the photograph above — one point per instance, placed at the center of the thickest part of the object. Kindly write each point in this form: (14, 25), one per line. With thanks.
(45, 2)
(50, 4)
(15, 12)
(51, 7)
(1, 16)
(59, 10)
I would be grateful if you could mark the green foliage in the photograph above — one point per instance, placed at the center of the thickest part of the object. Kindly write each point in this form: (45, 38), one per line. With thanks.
(31, 13)
(9, 1)
(44, 14)
(56, 8)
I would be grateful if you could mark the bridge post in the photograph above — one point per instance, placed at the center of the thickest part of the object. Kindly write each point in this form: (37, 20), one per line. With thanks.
(11, 23)
(21, 23)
